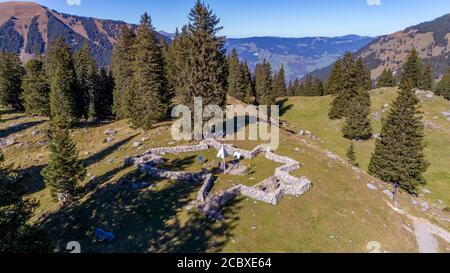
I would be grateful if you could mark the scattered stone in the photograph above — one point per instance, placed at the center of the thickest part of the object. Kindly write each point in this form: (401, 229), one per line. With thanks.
(430, 125)
(388, 193)
(36, 132)
(6, 142)
(297, 149)
(425, 206)
(171, 143)
(426, 191)
(110, 132)
(414, 202)
(372, 187)
(446, 114)
(144, 139)
(136, 144)
(253, 228)
(108, 140)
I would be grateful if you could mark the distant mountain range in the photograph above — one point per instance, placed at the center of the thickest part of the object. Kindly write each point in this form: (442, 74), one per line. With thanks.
(431, 40)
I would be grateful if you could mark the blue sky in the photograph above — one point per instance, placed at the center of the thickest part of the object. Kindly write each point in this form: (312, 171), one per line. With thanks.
(285, 18)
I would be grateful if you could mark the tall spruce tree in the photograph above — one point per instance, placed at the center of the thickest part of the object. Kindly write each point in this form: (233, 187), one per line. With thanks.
(280, 83)
(354, 77)
(247, 83)
(357, 124)
(264, 85)
(426, 81)
(412, 71)
(11, 73)
(86, 71)
(386, 79)
(399, 153)
(122, 70)
(234, 76)
(204, 67)
(64, 170)
(17, 235)
(148, 106)
(334, 83)
(36, 89)
(63, 84)
(443, 87)
(103, 95)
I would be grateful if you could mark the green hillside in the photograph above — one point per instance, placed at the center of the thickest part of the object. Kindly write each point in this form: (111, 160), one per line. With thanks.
(310, 114)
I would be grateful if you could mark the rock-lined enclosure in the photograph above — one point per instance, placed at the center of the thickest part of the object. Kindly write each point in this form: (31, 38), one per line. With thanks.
(270, 191)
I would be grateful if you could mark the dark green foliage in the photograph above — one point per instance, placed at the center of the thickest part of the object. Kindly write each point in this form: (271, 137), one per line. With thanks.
(248, 84)
(351, 76)
(334, 82)
(86, 72)
(279, 83)
(103, 96)
(399, 153)
(311, 87)
(357, 124)
(426, 81)
(63, 84)
(11, 73)
(351, 155)
(122, 70)
(63, 171)
(234, 76)
(203, 66)
(386, 79)
(16, 235)
(148, 106)
(412, 71)
(263, 84)
(443, 87)
(36, 89)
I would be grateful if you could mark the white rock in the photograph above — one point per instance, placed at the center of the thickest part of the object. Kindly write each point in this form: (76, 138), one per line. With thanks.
(388, 193)
(136, 144)
(110, 132)
(446, 114)
(426, 191)
(372, 187)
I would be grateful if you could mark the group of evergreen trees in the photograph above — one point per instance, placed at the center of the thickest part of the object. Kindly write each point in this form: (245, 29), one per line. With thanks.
(415, 74)
(443, 87)
(240, 83)
(310, 87)
(386, 79)
(350, 83)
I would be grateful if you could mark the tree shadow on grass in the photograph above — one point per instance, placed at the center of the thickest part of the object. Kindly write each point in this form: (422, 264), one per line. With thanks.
(32, 179)
(12, 118)
(144, 220)
(21, 127)
(178, 164)
(283, 107)
(97, 157)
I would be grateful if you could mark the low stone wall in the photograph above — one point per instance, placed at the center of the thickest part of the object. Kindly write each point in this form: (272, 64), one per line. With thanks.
(206, 187)
(266, 197)
(155, 172)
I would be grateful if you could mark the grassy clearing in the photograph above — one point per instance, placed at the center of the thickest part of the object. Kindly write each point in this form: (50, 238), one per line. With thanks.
(338, 215)
(306, 113)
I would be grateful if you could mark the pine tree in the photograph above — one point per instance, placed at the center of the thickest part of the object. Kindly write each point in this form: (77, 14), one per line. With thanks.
(234, 75)
(36, 89)
(103, 95)
(334, 83)
(11, 73)
(64, 170)
(63, 84)
(412, 71)
(86, 71)
(16, 234)
(357, 124)
(354, 77)
(311, 87)
(264, 85)
(351, 155)
(443, 87)
(426, 81)
(149, 106)
(399, 153)
(280, 83)
(248, 84)
(386, 79)
(122, 70)
(204, 66)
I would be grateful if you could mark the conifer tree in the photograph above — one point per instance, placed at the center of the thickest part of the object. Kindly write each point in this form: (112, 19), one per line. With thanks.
(86, 71)
(264, 85)
(280, 83)
(399, 153)
(64, 170)
(412, 71)
(334, 82)
(443, 87)
(16, 234)
(36, 89)
(204, 67)
(357, 124)
(363, 79)
(148, 106)
(122, 70)
(247, 83)
(103, 95)
(426, 81)
(234, 75)
(351, 155)
(11, 73)
(63, 84)
(386, 79)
